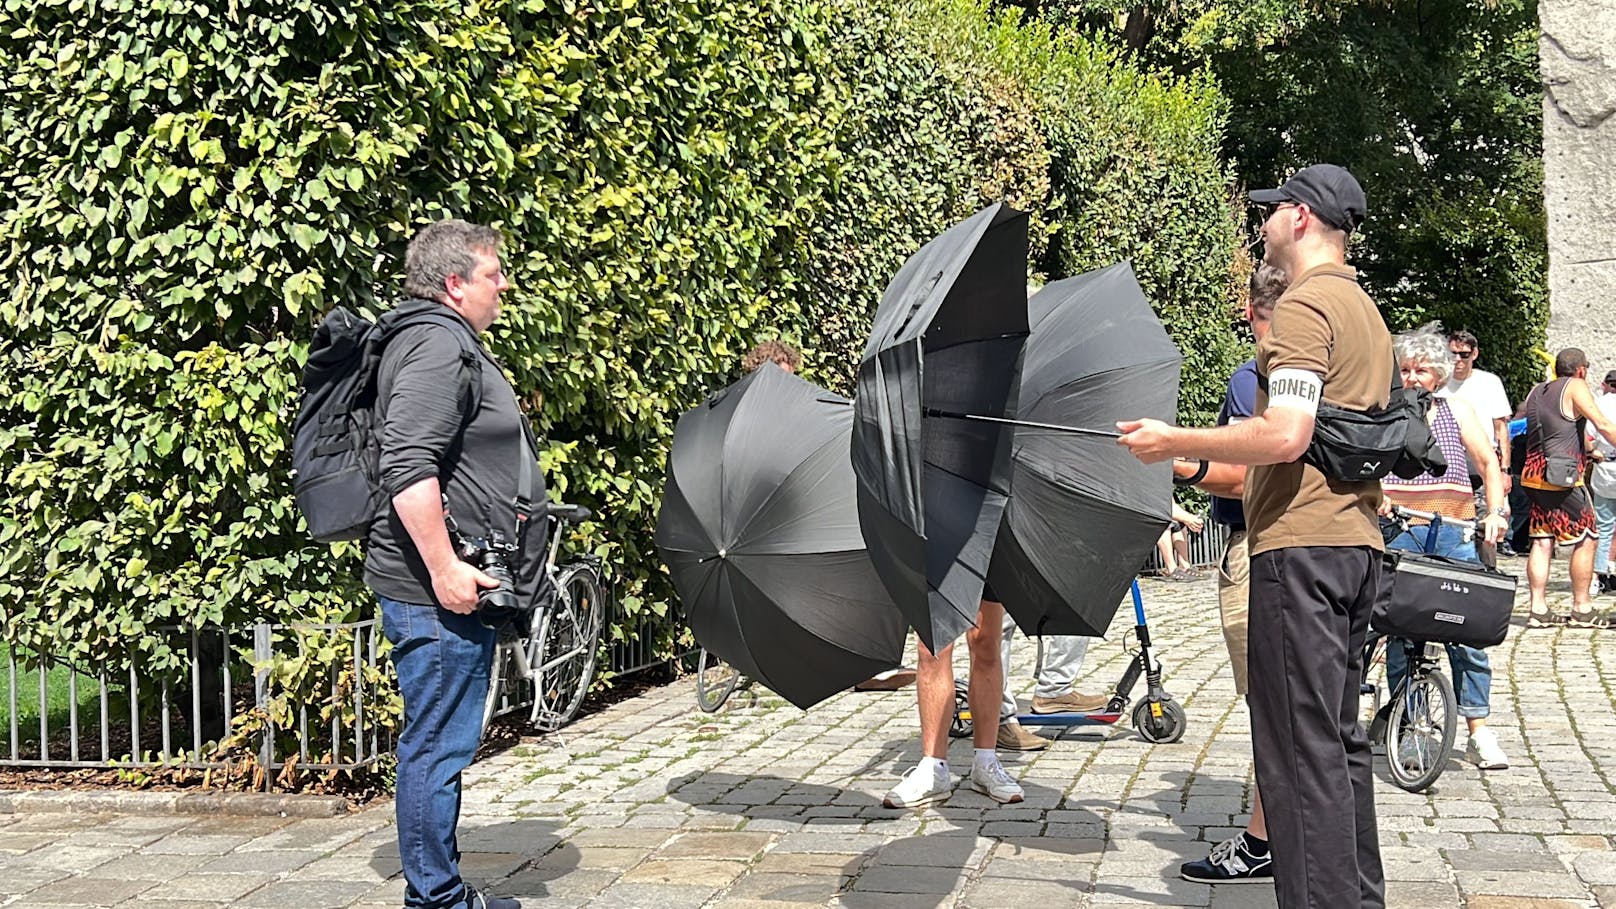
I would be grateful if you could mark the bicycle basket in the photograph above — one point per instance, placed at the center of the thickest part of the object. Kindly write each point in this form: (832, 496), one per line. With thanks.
(1431, 598)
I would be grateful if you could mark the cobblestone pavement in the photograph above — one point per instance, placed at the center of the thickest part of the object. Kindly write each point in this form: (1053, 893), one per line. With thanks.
(762, 806)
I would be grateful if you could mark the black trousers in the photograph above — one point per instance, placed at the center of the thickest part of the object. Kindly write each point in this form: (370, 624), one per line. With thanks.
(1309, 615)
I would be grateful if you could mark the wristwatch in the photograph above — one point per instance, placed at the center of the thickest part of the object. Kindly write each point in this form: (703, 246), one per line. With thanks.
(1502, 511)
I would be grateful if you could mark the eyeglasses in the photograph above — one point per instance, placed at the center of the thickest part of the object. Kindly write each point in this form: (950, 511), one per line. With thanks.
(1464, 355)
(1269, 210)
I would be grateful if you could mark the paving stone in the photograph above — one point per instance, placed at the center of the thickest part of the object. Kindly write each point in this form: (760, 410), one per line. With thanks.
(739, 845)
(258, 862)
(907, 879)
(225, 887)
(1520, 883)
(307, 894)
(90, 890)
(1521, 903)
(998, 893)
(805, 888)
(687, 871)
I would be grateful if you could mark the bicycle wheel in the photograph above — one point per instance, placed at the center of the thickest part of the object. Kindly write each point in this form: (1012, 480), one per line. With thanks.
(715, 681)
(1420, 730)
(563, 652)
(510, 681)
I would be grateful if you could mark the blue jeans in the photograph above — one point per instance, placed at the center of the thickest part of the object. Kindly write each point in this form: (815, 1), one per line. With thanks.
(442, 660)
(1605, 520)
(1472, 672)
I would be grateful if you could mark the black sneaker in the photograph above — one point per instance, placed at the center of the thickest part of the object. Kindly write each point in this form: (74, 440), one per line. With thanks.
(1231, 862)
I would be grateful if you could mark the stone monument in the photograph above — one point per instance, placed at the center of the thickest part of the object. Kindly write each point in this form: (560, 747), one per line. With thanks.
(1577, 52)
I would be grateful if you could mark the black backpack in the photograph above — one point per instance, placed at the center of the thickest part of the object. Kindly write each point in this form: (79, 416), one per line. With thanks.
(336, 454)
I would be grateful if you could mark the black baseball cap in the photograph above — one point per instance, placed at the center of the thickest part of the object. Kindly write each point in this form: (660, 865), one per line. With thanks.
(1610, 377)
(1330, 190)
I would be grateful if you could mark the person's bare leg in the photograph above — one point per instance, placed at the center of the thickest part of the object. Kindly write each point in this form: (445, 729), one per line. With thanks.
(934, 694)
(1582, 574)
(1537, 575)
(1258, 825)
(1164, 551)
(1181, 551)
(987, 674)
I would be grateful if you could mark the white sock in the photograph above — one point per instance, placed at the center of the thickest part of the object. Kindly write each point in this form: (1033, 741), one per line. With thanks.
(937, 766)
(986, 757)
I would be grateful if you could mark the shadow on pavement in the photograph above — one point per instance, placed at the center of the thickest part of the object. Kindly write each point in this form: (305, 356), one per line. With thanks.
(923, 872)
(523, 858)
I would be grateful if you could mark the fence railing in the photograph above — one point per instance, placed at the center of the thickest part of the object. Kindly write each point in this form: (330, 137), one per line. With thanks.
(1206, 547)
(79, 716)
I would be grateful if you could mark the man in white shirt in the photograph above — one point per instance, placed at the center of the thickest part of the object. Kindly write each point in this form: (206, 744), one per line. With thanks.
(1602, 483)
(1484, 392)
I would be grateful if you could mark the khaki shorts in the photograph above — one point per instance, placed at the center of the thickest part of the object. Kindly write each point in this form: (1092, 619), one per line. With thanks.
(1234, 589)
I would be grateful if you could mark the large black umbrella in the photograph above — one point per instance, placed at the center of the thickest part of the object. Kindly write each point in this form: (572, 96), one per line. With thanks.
(759, 529)
(932, 486)
(1085, 513)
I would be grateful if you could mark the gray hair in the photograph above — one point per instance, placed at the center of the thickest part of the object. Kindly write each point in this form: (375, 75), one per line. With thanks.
(445, 248)
(1426, 346)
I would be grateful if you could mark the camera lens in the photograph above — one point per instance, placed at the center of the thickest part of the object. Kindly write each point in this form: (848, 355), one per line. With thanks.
(502, 597)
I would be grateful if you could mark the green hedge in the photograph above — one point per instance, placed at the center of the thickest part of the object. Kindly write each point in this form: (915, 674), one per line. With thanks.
(193, 185)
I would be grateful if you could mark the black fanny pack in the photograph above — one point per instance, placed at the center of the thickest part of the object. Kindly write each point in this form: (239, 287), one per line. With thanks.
(1360, 445)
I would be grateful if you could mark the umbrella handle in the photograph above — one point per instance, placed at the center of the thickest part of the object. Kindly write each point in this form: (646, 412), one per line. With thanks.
(1075, 430)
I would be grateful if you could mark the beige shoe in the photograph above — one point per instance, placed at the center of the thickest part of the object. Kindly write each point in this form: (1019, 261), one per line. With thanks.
(1070, 702)
(1012, 737)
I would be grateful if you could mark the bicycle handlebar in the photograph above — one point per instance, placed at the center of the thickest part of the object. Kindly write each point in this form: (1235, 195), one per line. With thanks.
(1400, 512)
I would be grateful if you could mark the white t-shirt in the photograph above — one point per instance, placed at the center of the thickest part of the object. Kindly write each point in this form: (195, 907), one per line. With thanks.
(1603, 479)
(1484, 393)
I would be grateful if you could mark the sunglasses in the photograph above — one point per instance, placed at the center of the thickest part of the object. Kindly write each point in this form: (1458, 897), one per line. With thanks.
(1464, 355)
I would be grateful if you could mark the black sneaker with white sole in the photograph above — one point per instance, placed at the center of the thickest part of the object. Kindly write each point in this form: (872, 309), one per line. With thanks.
(1231, 862)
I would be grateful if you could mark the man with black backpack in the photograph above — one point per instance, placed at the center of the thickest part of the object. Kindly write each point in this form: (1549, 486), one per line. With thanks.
(448, 433)
(1315, 544)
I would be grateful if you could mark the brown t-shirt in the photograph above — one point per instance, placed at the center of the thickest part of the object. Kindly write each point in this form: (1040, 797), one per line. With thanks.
(1324, 324)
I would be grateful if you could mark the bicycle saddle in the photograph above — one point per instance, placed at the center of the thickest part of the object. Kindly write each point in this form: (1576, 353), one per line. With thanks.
(569, 513)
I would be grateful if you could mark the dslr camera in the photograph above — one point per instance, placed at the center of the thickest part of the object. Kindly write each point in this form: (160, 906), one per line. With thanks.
(493, 555)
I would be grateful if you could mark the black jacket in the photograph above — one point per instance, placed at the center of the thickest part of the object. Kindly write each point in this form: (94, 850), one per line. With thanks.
(423, 396)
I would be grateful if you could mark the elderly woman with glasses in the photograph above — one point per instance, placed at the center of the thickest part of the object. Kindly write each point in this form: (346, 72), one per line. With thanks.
(1426, 362)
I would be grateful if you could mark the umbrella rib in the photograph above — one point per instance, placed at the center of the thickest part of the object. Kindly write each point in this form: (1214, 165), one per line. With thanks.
(740, 527)
(1028, 424)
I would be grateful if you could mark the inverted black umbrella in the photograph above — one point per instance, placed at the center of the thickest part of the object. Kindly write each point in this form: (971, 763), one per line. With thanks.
(1084, 513)
(759, 529)
(946, 343)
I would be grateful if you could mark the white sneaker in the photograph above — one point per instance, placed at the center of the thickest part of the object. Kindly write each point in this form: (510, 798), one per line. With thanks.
(920, 788)
(1485, 751)
(993, 782)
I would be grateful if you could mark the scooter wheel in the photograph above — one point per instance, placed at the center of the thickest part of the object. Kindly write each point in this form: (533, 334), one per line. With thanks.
(1163, 729)
(960, 727)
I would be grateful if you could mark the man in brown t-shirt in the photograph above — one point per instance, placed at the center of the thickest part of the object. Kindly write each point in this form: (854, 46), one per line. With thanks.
(1315, 547)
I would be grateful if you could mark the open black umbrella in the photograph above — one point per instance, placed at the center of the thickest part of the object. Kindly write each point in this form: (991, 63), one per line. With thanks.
(946, 343)
(1084, 513)
(759, 529)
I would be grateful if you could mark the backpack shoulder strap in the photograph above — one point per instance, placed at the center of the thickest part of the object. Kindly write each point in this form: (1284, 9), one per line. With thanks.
(471, 353)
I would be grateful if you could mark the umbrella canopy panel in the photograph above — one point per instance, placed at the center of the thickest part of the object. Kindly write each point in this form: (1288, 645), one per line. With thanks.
(946, 339)
(1085, 513)
(759, 530)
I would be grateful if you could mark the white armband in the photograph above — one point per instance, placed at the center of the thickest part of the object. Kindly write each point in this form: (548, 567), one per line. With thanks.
(1297, 389)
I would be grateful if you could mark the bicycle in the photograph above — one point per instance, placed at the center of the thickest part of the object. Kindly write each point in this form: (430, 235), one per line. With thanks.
(1421, 717)
(716, 680)
(549, 667)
